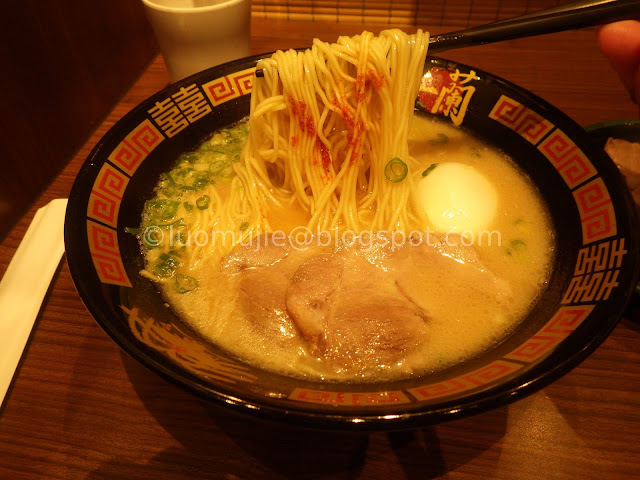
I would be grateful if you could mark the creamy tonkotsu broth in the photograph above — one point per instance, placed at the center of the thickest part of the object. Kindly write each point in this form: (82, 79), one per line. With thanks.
(369, 309)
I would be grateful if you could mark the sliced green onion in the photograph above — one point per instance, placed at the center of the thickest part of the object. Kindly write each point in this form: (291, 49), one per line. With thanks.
(187, 206)
(441, 139)
(185, 283)
(171, 180)
(150, 240)
(160, 209)
(133, 231)
(396, 170)
(244, 226)
(522, 225)
(429, 169)
(179, 239)
(516, 247)
(177, 223)
(189, 157)
(217, 166)
(170, 211)
(517, 244)
(165, 265)
(201, 181)
(203, 202)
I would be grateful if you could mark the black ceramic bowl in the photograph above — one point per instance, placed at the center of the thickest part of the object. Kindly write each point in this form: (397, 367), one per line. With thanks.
(593, 276)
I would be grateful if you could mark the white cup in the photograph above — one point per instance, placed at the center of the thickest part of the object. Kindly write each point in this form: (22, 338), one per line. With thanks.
(197, 34)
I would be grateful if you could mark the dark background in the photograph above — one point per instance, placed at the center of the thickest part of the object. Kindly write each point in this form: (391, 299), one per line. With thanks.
(63, 65)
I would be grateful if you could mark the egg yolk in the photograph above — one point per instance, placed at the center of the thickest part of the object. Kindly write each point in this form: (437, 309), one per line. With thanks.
(457, 198)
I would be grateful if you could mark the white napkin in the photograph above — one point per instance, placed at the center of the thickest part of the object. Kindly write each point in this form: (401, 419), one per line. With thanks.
(25, 283)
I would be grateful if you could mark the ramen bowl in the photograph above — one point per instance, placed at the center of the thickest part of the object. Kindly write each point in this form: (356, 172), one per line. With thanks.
(592, 277)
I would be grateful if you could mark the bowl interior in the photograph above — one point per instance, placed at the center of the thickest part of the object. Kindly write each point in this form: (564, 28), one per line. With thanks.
(593, 275)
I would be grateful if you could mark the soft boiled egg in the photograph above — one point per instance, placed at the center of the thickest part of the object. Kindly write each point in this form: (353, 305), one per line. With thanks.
(457, 198)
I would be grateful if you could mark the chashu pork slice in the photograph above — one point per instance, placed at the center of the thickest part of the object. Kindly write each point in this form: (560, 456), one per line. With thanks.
(261, 293)
(352, 312)
(367, 330)
(262, 277)
(459, 270)
(308, 297)
(262, 269)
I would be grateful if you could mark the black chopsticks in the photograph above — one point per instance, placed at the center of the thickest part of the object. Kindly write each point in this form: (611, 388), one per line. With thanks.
(584, 13)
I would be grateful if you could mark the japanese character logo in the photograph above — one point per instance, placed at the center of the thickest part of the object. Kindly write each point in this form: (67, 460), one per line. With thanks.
(182, 108)
(447, 92)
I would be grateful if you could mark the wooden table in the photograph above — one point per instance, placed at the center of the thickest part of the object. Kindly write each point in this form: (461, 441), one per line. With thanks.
(79, 408)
